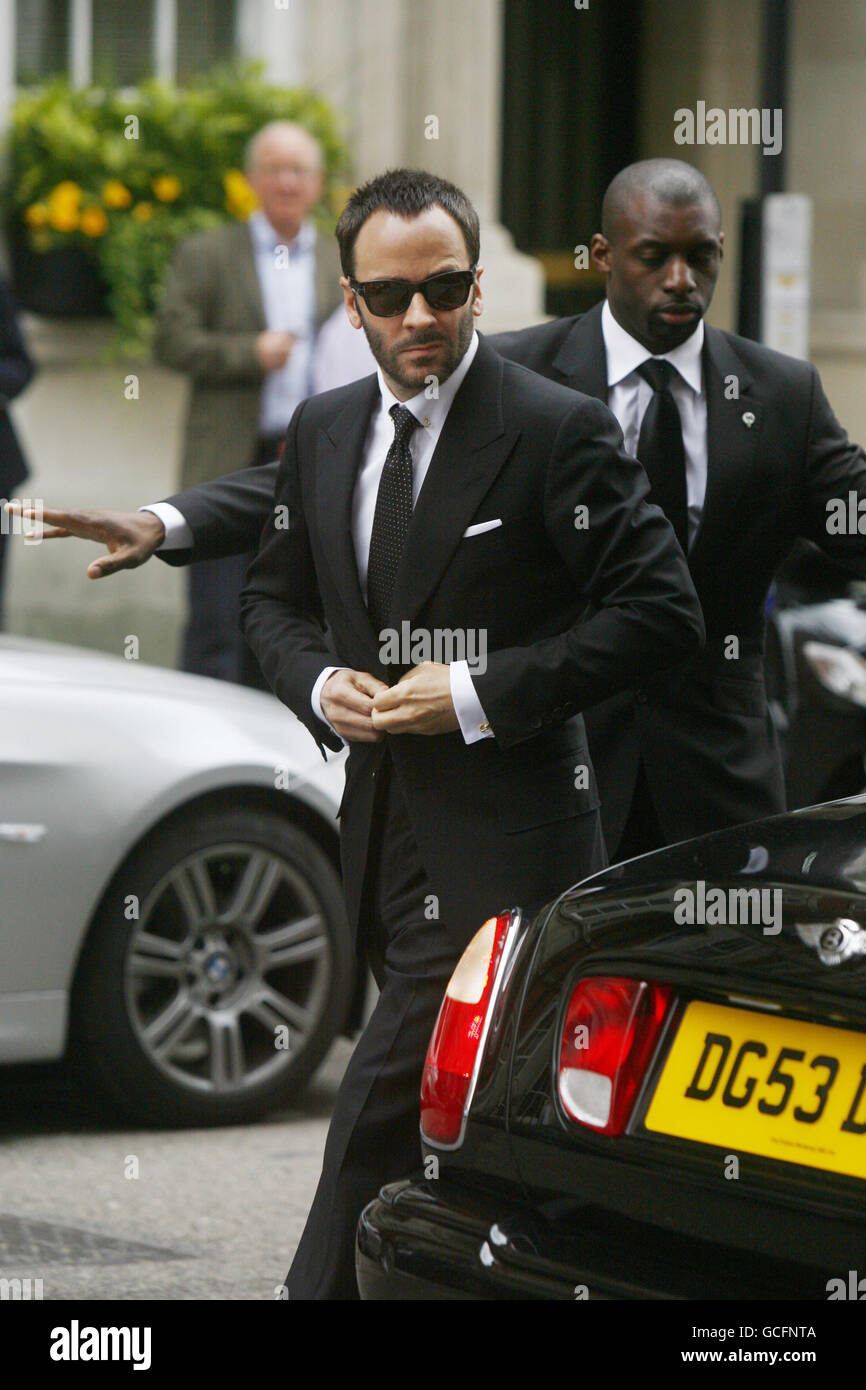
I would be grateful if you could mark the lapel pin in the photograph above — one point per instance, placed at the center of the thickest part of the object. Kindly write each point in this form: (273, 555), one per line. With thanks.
(748, 419)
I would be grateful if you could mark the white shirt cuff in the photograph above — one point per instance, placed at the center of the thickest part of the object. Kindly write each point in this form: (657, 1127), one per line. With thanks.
(178, 535)
(467, 706)
(316, 696)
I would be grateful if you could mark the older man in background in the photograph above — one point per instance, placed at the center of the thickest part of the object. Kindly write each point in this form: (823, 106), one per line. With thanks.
(239, 315)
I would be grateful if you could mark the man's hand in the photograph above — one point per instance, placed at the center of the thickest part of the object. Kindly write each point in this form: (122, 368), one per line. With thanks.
(273, 349)
(420, 703)
(131, 537)
(347, 699)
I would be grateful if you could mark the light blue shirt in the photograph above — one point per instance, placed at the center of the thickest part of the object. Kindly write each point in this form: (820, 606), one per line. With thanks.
(287, 279)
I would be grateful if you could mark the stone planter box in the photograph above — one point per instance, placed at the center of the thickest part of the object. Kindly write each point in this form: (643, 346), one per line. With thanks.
(63, 283)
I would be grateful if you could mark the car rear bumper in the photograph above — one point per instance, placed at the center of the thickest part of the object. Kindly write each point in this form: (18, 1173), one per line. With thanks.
(426, 1240)
(438, 1240)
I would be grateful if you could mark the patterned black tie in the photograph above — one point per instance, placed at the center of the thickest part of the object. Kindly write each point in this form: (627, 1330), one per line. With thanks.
(660, 448)
(391, 518)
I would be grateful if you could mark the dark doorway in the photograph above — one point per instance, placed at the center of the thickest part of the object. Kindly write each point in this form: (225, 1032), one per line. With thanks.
(569, 123)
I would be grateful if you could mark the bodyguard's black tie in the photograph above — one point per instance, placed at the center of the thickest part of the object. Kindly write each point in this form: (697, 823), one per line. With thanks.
(391, 518)
(660, 448)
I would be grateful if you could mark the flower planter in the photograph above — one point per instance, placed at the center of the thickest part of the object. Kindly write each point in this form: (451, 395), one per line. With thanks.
(64, 282)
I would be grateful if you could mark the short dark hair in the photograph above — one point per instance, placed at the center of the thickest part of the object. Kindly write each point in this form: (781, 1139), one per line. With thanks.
(670, 181)
(406, 192)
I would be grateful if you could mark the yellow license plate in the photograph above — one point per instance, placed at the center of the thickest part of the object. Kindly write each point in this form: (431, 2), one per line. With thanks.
(757, 1083)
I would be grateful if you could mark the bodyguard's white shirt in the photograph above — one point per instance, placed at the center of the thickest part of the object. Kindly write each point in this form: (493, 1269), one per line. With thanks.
(431, 415)
(629, 395)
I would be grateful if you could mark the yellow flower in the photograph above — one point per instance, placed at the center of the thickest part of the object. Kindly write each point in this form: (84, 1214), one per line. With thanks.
(93, 221)
(166, 188)
(116, 194)
(240, 198)
(63, 206)
(36, 215)
(143, 212)
(67, 191)
(63, 217)
(234, 179)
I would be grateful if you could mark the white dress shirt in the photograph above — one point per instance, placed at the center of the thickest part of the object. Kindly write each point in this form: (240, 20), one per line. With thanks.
(431, 415)
(629, 395)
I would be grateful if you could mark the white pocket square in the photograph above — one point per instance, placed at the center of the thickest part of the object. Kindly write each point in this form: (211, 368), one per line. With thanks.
(481, 526)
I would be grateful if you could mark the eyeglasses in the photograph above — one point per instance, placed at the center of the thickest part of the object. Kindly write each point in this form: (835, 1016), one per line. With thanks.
(387, 298)
(273, 171)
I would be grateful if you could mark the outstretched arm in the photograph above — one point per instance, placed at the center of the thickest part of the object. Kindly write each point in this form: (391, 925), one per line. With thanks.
(224, 517)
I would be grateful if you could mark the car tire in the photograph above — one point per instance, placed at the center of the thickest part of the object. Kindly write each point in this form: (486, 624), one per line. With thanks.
(180, 982)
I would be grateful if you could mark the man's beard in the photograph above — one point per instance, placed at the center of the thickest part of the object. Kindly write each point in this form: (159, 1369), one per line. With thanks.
(391, 359)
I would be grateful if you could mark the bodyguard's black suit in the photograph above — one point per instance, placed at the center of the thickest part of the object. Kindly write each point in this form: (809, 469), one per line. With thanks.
(570, 613)
(776, 455)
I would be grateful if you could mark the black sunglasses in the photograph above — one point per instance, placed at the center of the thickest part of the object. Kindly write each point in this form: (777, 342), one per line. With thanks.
(387, 298)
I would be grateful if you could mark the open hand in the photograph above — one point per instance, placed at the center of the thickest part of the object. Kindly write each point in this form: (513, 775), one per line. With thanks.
(130, 537)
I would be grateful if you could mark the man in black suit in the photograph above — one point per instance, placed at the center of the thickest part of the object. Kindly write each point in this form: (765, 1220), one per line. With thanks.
(762, 455)
(16, 371)
(755, 458)
(453, 494)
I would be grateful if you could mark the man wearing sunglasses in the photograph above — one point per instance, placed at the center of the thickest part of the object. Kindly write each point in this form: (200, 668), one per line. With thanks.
(451, 494)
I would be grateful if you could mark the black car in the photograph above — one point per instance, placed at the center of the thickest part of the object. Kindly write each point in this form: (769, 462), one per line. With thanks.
(655, 1087)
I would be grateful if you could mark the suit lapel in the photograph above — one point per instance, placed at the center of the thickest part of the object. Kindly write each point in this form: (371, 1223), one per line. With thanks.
(339, 451)
(473, 446)
(582, 361)
(733, 431)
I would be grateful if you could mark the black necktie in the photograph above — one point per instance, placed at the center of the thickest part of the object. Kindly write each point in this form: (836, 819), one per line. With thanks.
(660, 448)
(391, 518)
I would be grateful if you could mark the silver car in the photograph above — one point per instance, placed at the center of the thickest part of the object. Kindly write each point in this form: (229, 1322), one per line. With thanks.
(171, 914)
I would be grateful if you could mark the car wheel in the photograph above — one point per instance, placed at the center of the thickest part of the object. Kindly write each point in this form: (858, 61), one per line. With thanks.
(217, 971)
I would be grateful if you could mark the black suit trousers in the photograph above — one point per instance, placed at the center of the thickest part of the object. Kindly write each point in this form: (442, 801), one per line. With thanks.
(373, 1137)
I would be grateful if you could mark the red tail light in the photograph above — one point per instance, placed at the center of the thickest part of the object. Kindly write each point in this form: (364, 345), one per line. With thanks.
(610, 1034)
(455, 1042)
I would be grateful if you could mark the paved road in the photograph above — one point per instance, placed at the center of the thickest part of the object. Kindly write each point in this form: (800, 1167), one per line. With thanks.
(213, 1214)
